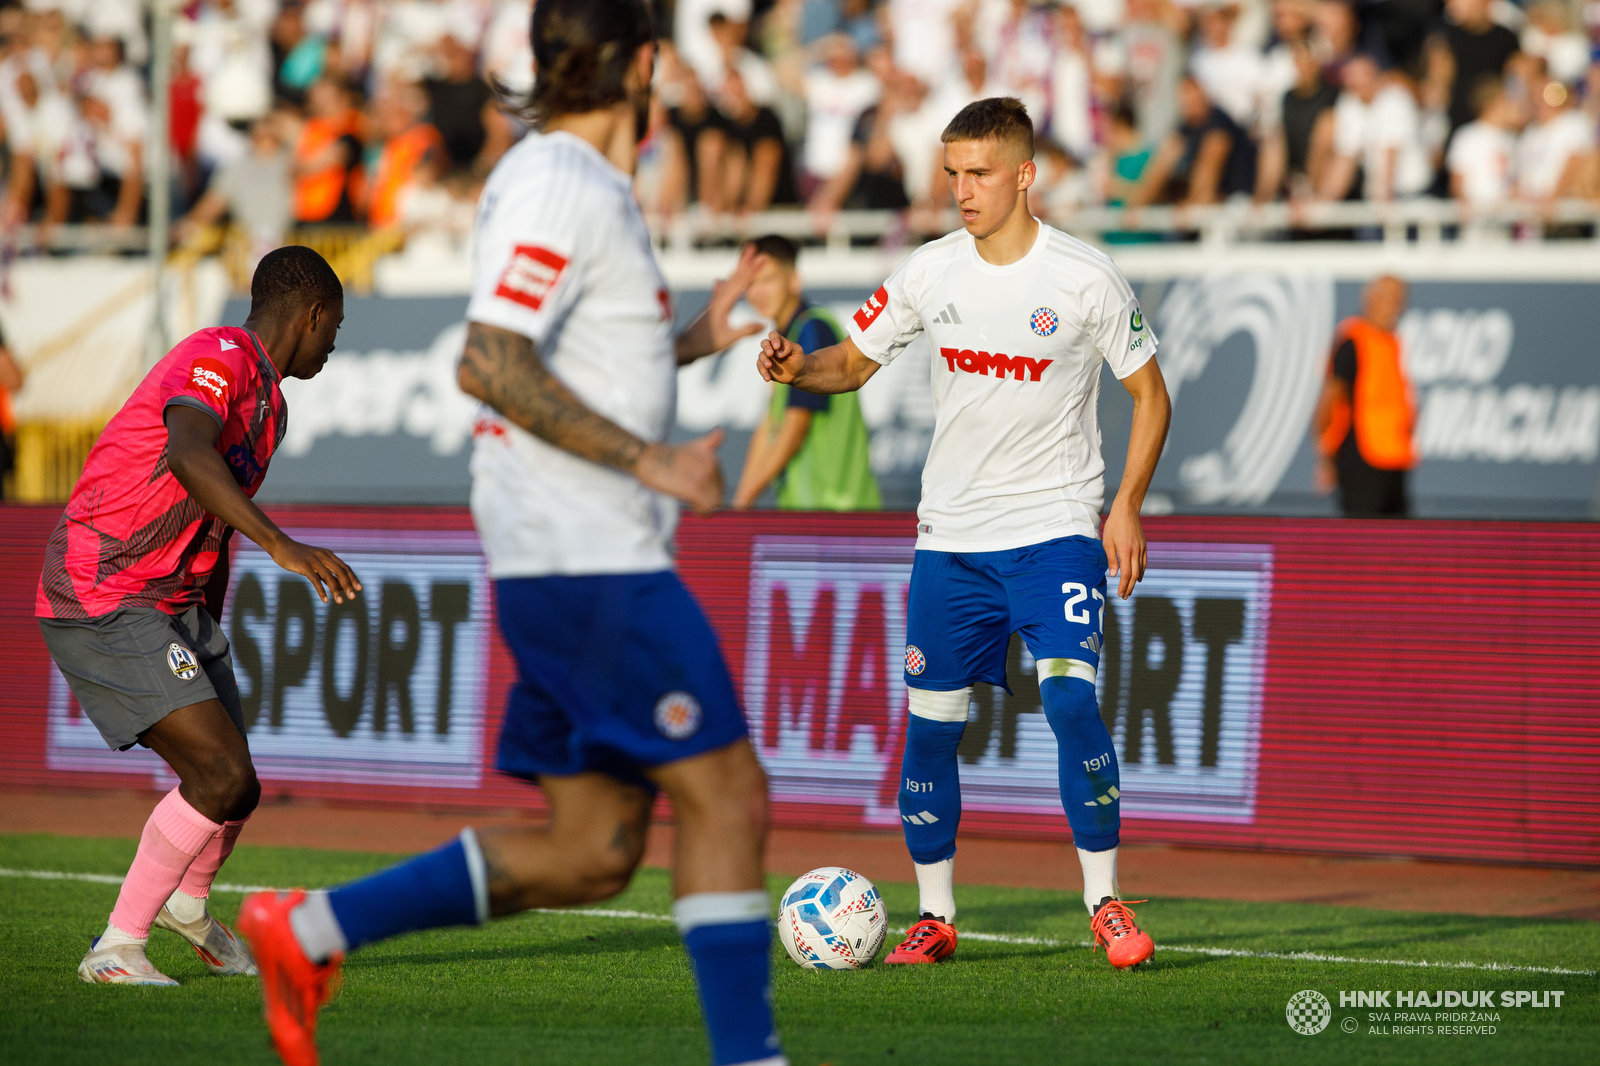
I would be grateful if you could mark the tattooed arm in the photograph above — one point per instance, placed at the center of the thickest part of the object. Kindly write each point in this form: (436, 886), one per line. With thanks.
(505, 371)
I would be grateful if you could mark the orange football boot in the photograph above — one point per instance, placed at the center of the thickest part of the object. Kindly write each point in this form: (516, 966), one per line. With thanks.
(930, 940)
(1126, 944)
(294, 987)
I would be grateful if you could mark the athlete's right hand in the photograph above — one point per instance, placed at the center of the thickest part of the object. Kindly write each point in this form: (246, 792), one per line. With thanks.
(688, 471)
(781, 359)
(326, 571)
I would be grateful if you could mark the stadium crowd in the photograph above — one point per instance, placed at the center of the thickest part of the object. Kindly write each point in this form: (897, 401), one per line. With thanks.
(383, 113)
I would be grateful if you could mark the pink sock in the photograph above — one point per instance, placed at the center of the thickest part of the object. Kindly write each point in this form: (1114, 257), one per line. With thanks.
(173, 836)
(197, 881)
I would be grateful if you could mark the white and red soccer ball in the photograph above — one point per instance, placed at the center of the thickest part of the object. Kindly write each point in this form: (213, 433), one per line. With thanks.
(832, 919)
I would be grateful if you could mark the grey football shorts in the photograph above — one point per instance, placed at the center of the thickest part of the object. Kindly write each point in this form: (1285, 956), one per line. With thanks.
(131, 668)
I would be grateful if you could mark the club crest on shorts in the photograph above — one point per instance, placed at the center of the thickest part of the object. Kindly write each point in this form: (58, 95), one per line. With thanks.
(1044, 322)
(677, 715)
(916, 662)
(181, 660)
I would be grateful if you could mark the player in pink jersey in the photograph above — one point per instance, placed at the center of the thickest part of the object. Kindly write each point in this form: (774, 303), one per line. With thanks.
(132, 589)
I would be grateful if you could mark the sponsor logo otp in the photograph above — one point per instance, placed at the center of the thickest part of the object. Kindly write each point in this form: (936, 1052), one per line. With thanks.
(531, 275)
(870, 310)
(212, 376)
(970, 362)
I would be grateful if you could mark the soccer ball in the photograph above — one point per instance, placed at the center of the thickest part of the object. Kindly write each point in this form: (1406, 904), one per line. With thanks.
(832, 919)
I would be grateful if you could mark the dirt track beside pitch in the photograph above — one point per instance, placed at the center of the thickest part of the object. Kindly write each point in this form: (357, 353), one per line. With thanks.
(1145, 870)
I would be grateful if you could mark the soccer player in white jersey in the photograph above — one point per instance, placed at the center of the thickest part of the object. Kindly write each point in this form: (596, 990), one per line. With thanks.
(1019, 317)
(621, 688)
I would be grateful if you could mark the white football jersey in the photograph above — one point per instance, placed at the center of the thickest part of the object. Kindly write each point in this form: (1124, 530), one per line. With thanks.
(562, 256)
(1015, 458)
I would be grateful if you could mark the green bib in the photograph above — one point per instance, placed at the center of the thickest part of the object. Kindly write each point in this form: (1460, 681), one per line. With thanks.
(833, 469)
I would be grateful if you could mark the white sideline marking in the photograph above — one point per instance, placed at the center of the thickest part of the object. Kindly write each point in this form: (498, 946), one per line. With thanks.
(993, 938)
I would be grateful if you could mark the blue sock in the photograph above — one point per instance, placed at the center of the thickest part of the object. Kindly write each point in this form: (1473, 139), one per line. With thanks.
(930, 788)
(729, 939)
(1090, 781)
(443, 887)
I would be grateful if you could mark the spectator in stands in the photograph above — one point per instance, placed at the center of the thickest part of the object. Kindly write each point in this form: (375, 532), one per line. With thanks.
(1207, 159)
(1072, 101)
(837, 91)
(1296, 150)
(817, 444)
(1479, 47)
(1549, 36)
(1123, 161)
(1230, 71)
(1061, 186)
(1557, 149)
(701, 137)
(410, 146)
(1021, 53)
(1336, 35)
(760, 84)
(924, 42)
(873, 178)
(1280, 72)
(1480, 153)
(254, 193)
(463, 108)
(1154, 66)
(1364, 419)
(327, 157)
(1377, 134)
(230, 54)
(757, 173)
(11, 379)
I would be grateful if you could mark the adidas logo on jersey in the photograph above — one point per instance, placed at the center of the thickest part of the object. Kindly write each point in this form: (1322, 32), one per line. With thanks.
(970, 362)
(1093, 643)
(948, 316)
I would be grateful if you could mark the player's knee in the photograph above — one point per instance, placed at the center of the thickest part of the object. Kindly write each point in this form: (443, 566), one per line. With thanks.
(603, 872)
(225, 787)
(1066, 688)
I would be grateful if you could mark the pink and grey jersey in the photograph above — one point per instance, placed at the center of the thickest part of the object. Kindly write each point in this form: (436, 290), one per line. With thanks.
(131, 536)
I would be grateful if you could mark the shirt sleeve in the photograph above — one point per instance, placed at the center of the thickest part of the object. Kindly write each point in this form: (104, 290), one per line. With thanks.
(209, 374)
(1347, 135)
(888, 321)
(1116, 322)
(1344, 363)
(529, 269)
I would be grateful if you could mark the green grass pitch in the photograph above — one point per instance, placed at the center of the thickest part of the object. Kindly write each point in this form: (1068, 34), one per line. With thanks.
(572, 988)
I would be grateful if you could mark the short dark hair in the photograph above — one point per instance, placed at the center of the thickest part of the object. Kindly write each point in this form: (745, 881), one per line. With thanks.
(581, 53)
(998, 118)
(776, 246)
(290, 279)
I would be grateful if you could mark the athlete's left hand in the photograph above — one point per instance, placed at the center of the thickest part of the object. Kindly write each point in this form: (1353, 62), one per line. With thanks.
(725, 294)
(1123, 538)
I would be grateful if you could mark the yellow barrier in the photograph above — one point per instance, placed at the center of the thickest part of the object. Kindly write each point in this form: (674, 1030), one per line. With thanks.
(50, 456)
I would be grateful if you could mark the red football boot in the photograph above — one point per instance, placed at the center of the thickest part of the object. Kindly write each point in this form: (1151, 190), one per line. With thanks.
(1126, 944)
(294, 987)
(930, 940)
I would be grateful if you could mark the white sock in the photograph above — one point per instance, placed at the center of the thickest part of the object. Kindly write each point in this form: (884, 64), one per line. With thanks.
(186, 908)
(113, 935)
(1099, 876)
(936, 889)
(317, 929)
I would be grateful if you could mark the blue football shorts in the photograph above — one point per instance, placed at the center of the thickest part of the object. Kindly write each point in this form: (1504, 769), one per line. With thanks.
(616, 672)
(964, 606)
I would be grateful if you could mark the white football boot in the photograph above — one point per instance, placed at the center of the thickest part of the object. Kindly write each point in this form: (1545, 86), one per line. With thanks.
(120, 964)
(223, 953)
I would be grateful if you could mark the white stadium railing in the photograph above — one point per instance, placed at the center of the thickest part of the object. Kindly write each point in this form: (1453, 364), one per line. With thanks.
(1394, 222)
